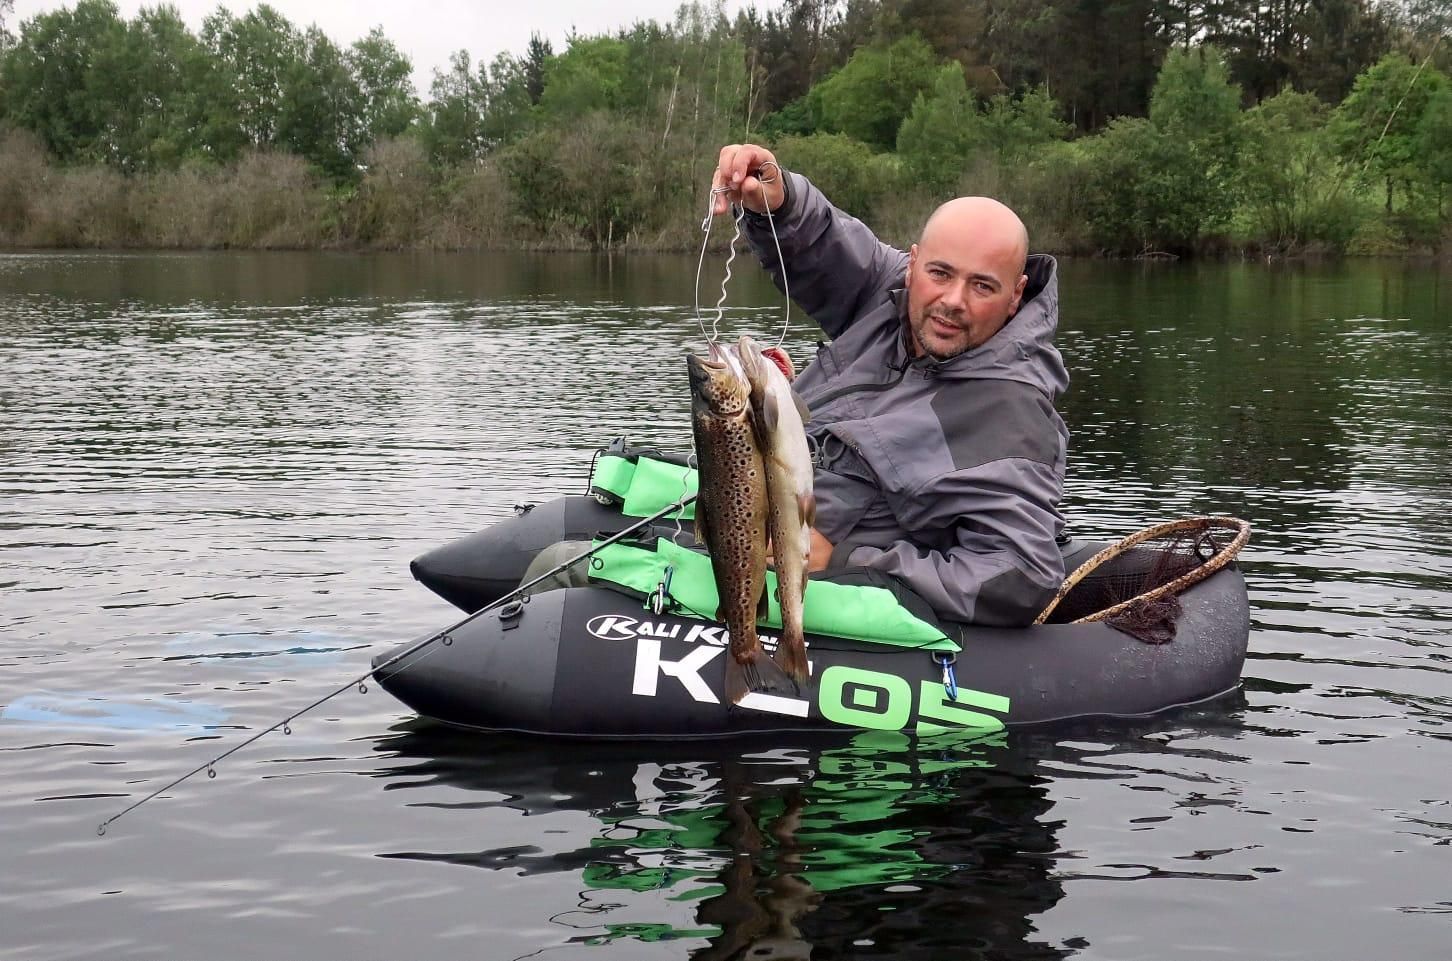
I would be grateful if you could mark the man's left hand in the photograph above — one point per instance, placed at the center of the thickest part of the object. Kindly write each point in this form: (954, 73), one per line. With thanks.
(820, 553)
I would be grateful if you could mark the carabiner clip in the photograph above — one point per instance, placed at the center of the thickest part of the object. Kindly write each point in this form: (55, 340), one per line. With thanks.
(950, 679)
(662, 593)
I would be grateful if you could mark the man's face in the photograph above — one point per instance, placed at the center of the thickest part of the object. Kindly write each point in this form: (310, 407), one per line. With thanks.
(961, 291)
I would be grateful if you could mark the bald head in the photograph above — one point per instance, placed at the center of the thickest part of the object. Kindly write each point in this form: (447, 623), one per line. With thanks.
(997, 230)
(965, 276)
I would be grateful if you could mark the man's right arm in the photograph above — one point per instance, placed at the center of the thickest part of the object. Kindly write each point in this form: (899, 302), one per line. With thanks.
(830, 263)
(834, 265)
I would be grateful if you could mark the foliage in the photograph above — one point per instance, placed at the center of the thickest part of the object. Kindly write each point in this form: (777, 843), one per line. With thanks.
(1291, 182)
(941, 132)
(252, 131)
(849, 171)
(1143, 192)
(869, 97)
(1377, 127)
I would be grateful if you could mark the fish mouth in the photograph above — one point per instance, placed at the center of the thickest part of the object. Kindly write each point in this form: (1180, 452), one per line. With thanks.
(701, 368)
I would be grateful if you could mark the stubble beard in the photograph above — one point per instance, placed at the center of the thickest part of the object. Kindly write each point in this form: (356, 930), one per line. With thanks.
(918, 327)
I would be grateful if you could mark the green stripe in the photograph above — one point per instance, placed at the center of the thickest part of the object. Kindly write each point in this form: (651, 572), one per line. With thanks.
(644, 485)
(860, 613)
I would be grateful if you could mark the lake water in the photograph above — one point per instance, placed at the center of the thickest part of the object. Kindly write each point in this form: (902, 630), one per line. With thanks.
(215, 468)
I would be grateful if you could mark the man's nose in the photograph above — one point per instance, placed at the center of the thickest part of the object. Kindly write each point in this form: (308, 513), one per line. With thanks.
(955, 296)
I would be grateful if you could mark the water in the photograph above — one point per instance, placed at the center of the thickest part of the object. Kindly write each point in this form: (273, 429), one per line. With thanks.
(215, 468)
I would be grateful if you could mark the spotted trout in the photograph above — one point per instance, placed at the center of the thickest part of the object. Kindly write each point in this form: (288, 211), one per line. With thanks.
(731, 516)
(779, 418)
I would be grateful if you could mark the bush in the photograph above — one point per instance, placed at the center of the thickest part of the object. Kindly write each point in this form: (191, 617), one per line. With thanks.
(392, 206)
(853, 177)
(270, 200)
(82, 207)
(22, 178)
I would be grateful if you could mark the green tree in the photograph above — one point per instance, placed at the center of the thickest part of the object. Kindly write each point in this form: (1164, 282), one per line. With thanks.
(537, 56)
(941, 132)
(1195, 105)
(1434, 145)
(320, 113)
(149, 82)
(1017, 127)
(587, 77)
(389, 105)
(255, 55)
(1143, 192)
(508, 106)
(48, 79)
(455, 132)
(849, 172)
(1376, 127)
(1290, 177)
(871, 95)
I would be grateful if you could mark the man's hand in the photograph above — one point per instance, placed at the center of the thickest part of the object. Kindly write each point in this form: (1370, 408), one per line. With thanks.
(820, 553)
(740, 179)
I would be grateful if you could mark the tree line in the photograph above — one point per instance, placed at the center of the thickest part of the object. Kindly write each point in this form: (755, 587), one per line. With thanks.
(1114, 126)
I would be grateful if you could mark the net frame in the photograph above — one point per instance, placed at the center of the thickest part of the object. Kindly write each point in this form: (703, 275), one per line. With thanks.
(1199, 526)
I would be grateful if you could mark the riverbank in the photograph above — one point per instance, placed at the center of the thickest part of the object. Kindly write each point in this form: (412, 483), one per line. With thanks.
(275, 201)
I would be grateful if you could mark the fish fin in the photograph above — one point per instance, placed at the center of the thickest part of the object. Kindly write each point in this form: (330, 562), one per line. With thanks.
(770, 414)
(703, 532)
(791, 657)
(763, 603)
(758, 674)
(802, 407)
(807, 506)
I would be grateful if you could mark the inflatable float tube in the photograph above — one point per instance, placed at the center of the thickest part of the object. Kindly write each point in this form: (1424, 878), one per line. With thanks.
(594, 662)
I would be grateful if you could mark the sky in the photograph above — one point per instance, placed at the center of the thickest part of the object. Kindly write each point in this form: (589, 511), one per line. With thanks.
(427, 31)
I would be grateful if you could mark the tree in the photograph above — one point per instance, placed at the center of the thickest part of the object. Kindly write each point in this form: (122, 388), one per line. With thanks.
(255, 55)
(941, 132)
(1017, 127)
(871, 95)
(1376, 127)
(537, 56)
(1434, 144)
(455, 133)
(1290, 178)
(320, 112)
(507, 100)
(389, 105)
(1195, 104)
(585, 78)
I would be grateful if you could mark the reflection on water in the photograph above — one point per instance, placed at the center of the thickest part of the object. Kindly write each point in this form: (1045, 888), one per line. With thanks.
(899, 846)
(214, 469)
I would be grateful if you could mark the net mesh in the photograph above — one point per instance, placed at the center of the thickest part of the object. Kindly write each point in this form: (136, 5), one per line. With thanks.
(1134, 586)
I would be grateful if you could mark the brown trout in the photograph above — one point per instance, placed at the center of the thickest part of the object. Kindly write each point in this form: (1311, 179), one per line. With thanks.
(731, 517)
(779, 418)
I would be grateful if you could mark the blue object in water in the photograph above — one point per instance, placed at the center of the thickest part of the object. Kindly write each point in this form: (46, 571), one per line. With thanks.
(112, 713)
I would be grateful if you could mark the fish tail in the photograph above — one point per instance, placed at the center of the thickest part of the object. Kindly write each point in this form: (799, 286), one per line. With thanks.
(757, 674)
(791, 656)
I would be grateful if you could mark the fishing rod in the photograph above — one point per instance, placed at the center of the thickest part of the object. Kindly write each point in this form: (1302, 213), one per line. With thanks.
(360, 682)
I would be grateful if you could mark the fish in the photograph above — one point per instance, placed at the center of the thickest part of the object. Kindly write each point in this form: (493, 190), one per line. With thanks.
(779, 418)
(731, 516)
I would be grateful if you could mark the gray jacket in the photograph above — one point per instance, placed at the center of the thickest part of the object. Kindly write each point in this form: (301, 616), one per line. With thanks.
(947, 475)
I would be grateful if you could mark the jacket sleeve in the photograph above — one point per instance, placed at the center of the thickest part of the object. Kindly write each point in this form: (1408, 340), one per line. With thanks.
(1001, 565)
(834, 266)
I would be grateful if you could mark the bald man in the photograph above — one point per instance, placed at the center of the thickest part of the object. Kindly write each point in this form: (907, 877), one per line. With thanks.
(940, 456)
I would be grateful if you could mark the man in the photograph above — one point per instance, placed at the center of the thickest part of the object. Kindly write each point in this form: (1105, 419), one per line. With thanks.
(941, 457)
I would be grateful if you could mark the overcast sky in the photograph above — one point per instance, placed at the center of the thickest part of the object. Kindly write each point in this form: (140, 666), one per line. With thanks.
(427, 31)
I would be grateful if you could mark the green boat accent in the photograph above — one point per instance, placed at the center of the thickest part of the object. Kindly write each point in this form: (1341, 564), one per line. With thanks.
(861, 613)
(643, 485)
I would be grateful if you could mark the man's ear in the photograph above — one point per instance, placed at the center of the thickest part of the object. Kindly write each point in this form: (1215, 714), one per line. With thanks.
(1018, 290)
